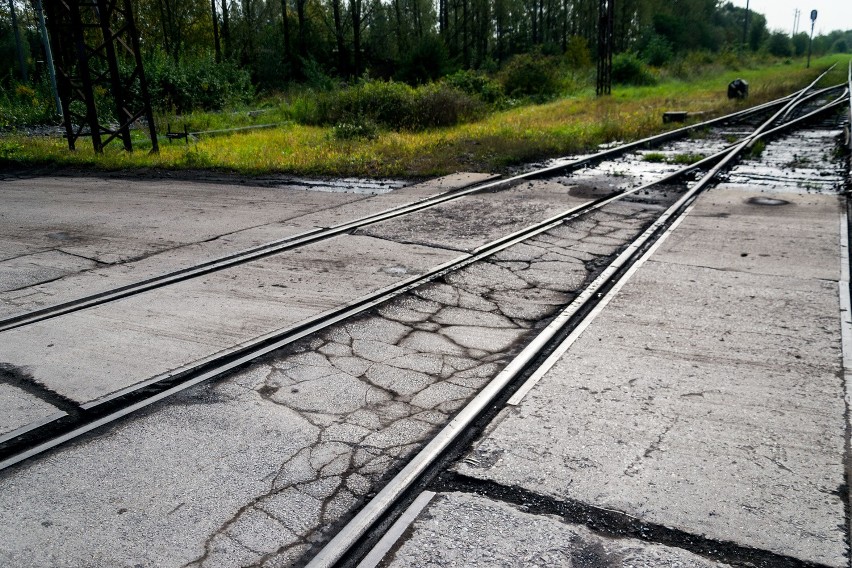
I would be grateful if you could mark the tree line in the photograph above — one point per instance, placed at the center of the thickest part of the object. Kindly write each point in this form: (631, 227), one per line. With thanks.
(284, 41)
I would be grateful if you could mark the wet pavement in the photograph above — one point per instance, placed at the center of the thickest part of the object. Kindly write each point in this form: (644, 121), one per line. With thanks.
(714, 416)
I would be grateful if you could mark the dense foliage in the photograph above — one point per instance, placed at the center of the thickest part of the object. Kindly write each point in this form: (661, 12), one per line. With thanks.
(210, 54)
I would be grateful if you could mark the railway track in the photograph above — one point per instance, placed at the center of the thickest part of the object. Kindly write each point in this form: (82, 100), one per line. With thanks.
(373, 531)
(318, 234)
(660, 205)
(75, 422)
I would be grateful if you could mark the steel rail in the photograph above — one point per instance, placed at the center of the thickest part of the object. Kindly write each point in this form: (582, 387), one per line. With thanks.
(101, 412)
(104, 411)
(335, 550)
(849, 90)
(314, 235)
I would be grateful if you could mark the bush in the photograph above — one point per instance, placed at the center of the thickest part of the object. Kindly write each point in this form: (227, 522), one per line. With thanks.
(442, 105)
(386, 103)
(25, 105)
(800, 43)
(197, 84)
(627, 69)
(530, 75)
(393, 105)
(355, 130)
(476, 84)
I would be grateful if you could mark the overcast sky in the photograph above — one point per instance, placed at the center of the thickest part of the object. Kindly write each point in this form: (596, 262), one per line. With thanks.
(833, 14)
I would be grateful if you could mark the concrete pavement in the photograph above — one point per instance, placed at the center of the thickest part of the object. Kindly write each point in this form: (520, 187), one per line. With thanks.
(258, 467)
(704, 407)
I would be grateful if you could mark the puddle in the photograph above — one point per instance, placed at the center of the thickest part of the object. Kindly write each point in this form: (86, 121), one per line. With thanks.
(350, 185)
(798, 163)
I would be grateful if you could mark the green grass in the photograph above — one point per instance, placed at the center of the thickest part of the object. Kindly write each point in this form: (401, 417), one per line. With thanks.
(655, 157)
(679, 159)
(526, 133)
(755, 151)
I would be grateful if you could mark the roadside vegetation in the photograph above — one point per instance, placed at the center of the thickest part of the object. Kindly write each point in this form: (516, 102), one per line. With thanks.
(313, 138)
(405, 87)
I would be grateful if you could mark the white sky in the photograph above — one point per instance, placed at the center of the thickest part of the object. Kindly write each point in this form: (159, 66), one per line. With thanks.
(833, 14)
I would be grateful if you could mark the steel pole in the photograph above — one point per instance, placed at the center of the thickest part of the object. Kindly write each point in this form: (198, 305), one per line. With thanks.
(810, 43)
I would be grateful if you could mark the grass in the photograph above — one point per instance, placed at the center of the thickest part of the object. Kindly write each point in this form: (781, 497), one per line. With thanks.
(678, 159)
(756, 150)
(565, 126)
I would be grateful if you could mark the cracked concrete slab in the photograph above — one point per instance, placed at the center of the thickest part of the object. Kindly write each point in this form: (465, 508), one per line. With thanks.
(718, 410)
(462, 529)
(92, 353)
(173, 476)
(373, 390)
(27, 270)
(479, 218)
(150, 228)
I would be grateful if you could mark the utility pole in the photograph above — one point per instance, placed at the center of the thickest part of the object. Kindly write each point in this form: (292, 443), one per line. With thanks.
(606, 15)
(18, 46)
(811, 41)
(796, 21)
(745, 27)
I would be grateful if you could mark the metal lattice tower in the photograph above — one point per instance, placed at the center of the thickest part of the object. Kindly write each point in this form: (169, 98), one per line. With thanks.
(605, 39)
(96, 50)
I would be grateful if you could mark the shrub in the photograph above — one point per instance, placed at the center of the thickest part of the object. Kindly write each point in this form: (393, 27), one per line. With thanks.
(315, 77)
(627, 69)
(9, 151)
(197, 84)
(800, 43)
(355, 130)
(25, 105)
(530, 75)
(442, 105)
(476, 84)
(383, 102)
(394, 105)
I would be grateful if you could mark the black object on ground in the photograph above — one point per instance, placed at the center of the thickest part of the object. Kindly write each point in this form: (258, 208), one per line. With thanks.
(738, 89)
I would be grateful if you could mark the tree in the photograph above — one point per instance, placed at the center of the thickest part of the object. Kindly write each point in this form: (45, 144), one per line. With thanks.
(779, 44)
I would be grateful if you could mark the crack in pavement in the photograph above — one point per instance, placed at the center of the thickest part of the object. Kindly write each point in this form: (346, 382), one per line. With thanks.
(377, 388)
